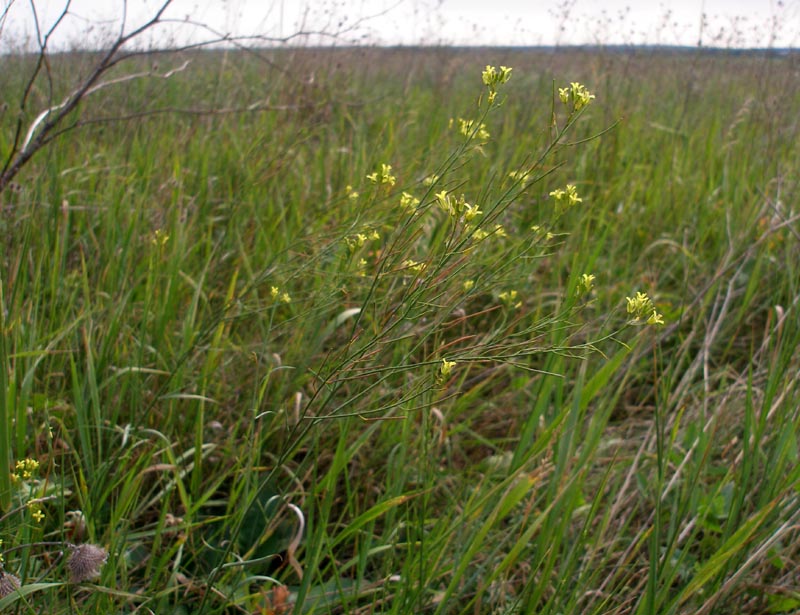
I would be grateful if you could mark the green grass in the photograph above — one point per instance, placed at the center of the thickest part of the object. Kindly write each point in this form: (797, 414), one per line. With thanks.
(571, 461)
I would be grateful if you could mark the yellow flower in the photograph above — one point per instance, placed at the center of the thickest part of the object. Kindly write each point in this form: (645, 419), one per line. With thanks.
(278, 296)
(408, 202)
(492, 77)
(581, 96)
(446, 369)
(489, 75)
(415, 266)
(356, 241)
(445, 202)
(566, 198)
(523, 177)
(585, 284)
(471, 211)
(640, 306)
(479, 234)
(386, 175)
(509, 297)
(26, 467)
(160, 238)
(36, 511)
(468, 129)
(468, 285)
(577, 94)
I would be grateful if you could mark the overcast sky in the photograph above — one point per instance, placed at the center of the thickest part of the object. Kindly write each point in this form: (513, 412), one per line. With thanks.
(727, 23)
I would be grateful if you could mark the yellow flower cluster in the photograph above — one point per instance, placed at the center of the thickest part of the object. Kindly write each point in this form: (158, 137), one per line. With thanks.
(566, 198)
(384, 177)
(160, 238)
(445, 369)
(445, 202)
(640, 307)
(523, 177)
(471, 212)
(25, 468)
(493, 77)
(542, 233)
(509, 298)
(470, 128)
(36, 511)
(456, 207)
(414, 266)
(577, 95)
(408, 202)
(279, 296)
(354, 242)
(585, 284)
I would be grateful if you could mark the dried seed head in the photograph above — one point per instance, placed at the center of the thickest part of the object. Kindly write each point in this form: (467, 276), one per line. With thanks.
(85, 562)
(9, 583)
(75, 525)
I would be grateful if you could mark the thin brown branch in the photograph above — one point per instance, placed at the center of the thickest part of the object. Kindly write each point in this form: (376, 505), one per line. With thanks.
(19, 157)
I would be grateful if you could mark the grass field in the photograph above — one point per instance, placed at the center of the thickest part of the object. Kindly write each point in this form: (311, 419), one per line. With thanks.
(265, 382)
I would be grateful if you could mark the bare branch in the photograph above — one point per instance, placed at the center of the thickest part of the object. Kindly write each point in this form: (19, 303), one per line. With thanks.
(18, 157)
(52, 121)
(104, 84)
(4, 14)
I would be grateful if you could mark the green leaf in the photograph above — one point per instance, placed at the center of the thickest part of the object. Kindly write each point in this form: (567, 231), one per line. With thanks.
(26, 590)
(782, 603)
(370, 515)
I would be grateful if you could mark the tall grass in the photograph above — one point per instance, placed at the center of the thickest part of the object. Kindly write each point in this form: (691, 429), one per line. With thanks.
(262, 393)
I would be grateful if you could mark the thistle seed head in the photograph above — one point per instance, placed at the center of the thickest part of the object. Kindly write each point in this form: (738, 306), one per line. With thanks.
(9, 583)
(85, 561)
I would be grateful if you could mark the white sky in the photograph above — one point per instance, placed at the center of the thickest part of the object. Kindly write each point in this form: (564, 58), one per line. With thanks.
(728, 23)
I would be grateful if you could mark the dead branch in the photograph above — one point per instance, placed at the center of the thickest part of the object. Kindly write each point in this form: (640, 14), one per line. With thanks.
(54, 116)
(57, 117)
